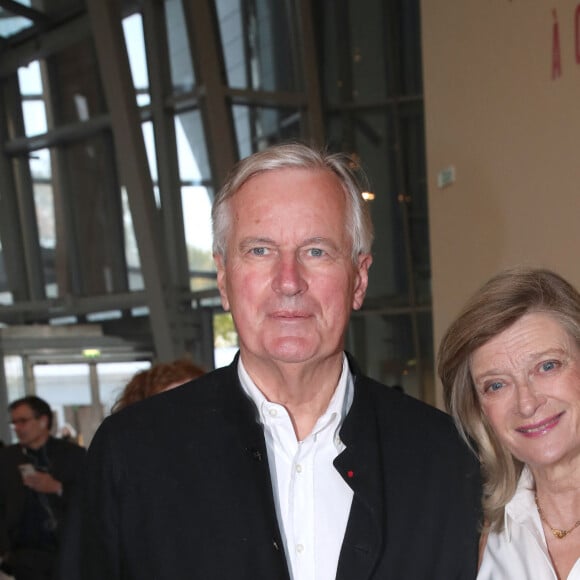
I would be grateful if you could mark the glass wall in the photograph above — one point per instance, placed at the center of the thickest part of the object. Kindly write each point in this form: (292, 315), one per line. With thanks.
(120, 219)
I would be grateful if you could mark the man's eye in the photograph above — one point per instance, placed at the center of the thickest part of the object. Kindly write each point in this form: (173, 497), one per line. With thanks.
(548, 365)
(258, 251)
(316, 252)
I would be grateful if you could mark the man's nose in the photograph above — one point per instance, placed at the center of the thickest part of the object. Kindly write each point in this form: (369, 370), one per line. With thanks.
(289, 276)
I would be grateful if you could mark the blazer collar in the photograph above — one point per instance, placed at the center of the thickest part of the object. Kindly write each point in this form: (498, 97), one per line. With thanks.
(361, 468)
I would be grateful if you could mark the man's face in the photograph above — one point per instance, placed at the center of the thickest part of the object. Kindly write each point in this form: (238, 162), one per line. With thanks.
(288, 278)
(31, 431)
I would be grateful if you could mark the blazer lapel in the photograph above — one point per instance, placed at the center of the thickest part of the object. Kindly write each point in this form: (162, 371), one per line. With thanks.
(242, 414)
(361, 468)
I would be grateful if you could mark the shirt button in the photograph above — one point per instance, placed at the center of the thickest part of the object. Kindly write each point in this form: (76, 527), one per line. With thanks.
(272, 412)
(299, 548)
(299, 468)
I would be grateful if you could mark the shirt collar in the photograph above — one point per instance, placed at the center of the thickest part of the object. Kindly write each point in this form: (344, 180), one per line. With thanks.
(521, 509)
(336, 411)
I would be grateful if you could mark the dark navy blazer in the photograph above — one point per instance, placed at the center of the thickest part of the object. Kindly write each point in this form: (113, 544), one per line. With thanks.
(179, 488)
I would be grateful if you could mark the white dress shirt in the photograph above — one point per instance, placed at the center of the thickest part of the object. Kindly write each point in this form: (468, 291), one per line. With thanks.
(520, 551)
(312, 500)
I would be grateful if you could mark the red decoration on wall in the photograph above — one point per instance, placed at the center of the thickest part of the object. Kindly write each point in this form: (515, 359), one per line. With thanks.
(577, 33)
(556, 54)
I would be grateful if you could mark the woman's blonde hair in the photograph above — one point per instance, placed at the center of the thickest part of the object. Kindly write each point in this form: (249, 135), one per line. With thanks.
(498, 304)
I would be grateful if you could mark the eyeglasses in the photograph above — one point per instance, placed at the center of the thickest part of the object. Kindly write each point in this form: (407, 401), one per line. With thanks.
(22, 420)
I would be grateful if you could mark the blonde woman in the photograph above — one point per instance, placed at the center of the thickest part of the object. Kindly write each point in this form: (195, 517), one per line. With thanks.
(510, 367)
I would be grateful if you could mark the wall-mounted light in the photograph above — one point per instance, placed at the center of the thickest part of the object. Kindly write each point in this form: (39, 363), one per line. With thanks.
(368, 195)
(91, 352)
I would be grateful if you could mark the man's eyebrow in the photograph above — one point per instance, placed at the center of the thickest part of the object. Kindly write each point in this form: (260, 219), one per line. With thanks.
(319, 240)
(250, 241)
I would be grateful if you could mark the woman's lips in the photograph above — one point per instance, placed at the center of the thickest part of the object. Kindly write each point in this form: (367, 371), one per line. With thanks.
(541, 427)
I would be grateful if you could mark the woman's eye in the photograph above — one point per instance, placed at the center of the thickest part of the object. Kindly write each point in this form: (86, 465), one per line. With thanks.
(495, 386)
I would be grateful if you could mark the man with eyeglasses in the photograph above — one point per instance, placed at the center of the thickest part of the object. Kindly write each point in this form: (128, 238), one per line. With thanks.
(38, 479)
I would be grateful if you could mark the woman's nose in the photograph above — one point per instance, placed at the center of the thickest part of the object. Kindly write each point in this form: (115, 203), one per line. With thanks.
(528, 399)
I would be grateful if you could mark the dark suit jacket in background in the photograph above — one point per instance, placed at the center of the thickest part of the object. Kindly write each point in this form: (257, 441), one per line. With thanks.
(179, 488)
(66, 465)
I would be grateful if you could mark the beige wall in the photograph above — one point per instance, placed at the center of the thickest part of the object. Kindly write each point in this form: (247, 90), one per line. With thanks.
(512, 134)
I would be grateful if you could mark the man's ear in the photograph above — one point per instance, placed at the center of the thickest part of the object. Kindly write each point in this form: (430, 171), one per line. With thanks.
(221, 280)
(361, 280)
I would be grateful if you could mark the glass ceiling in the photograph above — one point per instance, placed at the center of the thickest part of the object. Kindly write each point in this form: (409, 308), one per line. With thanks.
(16, 16)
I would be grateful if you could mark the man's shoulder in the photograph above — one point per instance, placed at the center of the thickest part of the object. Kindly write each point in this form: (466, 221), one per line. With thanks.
(207, 389)
(194, 411)
(391, 400)
(210, 391)
(410, 430)
(11, 454)
(65, 447)
(403, 417)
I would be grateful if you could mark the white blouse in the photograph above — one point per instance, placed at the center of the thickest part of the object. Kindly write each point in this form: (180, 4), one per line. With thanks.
(520, 551)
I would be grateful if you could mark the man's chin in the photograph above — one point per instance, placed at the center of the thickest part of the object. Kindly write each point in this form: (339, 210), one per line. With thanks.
(293, 350)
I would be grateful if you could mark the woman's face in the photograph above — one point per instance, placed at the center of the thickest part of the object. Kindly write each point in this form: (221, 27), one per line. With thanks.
(528, 384)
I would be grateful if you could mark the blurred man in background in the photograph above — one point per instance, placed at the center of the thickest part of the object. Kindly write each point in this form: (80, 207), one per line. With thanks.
(39, 476)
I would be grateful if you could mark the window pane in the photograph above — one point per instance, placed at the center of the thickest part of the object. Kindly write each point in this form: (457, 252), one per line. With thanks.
(135, 274)
(197, 223)
(135, 41)
(79, 88)
(14, 372)
(191, 148)
(5, 294)
(149, 138)
(182, 74)
(225, 339)
(361, 72)
(29, 79)
(258, 127)
(66, 388)
(34, 114)
(92, 202)
(384, 345)
(112, 380)
(40, 170)
(10, 25)
(44, 203)
(259, 44)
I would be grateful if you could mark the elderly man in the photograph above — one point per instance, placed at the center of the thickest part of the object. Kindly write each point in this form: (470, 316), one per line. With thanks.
(38, 478)
(288, 464)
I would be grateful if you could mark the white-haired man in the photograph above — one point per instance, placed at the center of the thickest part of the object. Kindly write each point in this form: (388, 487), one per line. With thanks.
(288, 464)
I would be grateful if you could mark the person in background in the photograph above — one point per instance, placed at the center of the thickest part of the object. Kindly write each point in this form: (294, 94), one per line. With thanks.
(156, 379)
(510, 367)
(39, 476)
(68, 433)
(289, 463)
